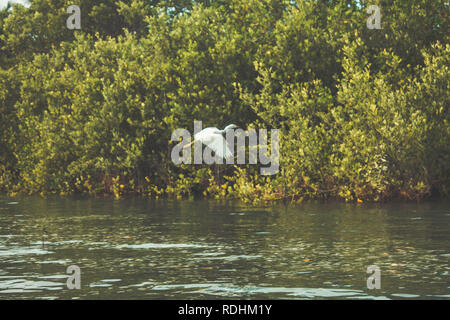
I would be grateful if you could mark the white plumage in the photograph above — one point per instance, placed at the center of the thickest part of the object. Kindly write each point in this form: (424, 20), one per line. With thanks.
(213, 139)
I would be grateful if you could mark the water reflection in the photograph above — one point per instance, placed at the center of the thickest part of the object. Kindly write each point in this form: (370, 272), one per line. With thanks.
(138, 248)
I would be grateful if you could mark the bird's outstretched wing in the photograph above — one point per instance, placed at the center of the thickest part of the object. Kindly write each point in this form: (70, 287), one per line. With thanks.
(219, 146)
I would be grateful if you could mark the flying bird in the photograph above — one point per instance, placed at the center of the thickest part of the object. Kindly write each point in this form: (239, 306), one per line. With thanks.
(213, 139)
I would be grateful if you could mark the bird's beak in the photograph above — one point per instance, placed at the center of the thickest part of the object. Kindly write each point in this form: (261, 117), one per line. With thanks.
(188, 145)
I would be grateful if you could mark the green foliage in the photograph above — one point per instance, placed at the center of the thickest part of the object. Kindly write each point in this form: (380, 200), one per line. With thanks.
(363, 114)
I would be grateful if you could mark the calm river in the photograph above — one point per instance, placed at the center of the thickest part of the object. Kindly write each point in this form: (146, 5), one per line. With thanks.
(143, 249)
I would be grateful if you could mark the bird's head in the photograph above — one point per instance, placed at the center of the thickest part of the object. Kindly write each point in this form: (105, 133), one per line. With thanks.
(230, 127)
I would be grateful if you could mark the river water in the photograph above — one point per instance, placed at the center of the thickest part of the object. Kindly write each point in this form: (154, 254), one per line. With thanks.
(143, 249)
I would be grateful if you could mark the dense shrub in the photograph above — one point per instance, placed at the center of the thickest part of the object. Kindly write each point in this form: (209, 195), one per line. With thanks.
(363, 113)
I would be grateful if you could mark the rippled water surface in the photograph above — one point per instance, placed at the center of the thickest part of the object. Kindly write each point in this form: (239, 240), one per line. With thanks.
(142, 249)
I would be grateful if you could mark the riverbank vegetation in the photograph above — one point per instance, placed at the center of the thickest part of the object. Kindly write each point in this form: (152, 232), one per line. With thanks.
(363, 113)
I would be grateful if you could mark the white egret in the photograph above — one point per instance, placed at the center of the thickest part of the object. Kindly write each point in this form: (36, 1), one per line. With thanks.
(213, 139)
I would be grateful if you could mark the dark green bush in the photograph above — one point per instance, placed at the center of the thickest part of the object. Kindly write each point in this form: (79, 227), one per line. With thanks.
(363, 113)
